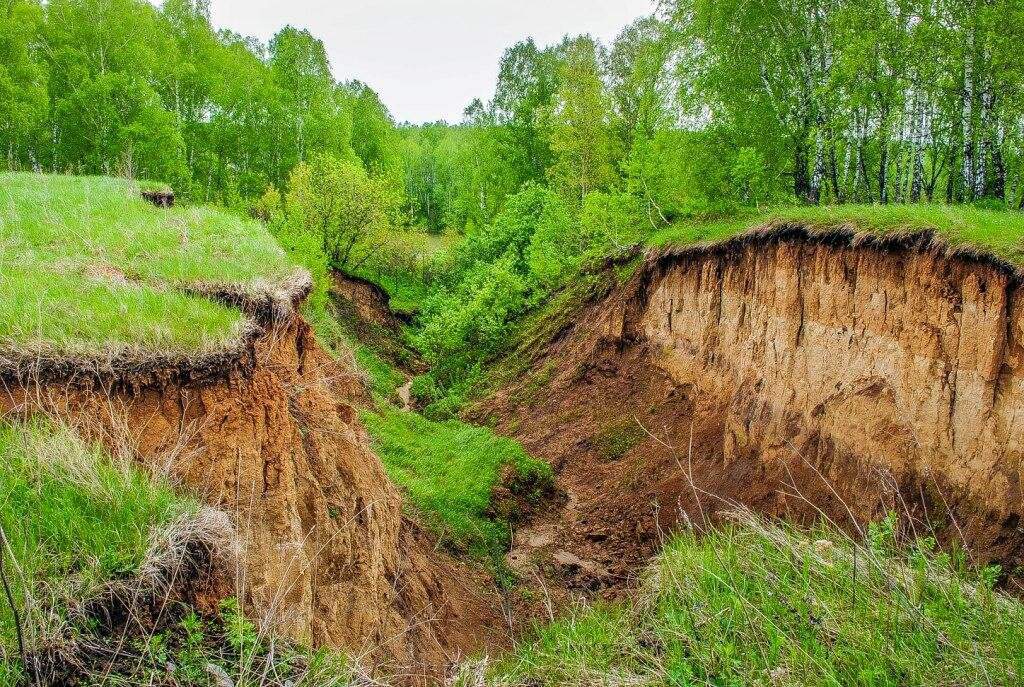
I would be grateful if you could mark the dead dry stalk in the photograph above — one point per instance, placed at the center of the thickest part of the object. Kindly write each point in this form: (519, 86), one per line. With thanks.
(5, 548)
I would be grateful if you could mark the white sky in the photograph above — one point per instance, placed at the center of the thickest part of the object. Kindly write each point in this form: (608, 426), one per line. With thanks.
(427, 58)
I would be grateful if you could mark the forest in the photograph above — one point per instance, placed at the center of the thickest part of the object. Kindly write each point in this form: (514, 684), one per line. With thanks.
(700, 108)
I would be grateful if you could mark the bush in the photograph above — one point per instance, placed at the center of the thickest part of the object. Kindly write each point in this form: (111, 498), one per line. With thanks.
(463, 326)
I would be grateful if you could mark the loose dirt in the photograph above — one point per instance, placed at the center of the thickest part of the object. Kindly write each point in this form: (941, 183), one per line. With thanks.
(805, 376)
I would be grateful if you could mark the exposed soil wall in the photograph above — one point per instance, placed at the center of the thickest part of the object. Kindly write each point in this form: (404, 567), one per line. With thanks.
(327, 556)
(802, 374)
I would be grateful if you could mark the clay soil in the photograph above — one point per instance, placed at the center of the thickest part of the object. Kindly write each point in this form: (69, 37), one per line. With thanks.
(658, 416)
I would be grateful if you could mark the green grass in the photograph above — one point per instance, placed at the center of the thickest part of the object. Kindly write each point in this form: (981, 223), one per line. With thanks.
(756, 603)
(449, 469)
(75, 518)
(1000, 231)
(87, 266)
(384, 379)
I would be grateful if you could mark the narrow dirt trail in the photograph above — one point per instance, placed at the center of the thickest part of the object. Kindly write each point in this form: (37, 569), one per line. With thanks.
(405, 394)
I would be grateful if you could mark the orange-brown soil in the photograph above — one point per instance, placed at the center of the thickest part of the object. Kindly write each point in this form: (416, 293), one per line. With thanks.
(802, 375)
(327, 556)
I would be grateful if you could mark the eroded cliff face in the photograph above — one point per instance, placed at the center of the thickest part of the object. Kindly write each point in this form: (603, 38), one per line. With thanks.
(327, 557)
(800, 374)
(862, 361)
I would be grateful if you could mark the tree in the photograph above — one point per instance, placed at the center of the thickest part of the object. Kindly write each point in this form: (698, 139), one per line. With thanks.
(340, 204)
(527, 83)
(580, 138)
(639, 94)
(116, 123)
(23, 94)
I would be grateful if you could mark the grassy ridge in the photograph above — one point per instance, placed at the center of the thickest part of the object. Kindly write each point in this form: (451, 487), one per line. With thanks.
(761, 604)
(87, 266)
(999, 231)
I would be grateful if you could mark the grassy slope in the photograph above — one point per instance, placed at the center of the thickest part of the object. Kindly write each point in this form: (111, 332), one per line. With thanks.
(449, 469)
(74, 518)
(1002, 232)
(759, 604)
(87, 266)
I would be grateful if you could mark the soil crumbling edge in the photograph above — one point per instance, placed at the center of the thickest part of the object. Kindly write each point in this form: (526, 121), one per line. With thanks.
(263, 307)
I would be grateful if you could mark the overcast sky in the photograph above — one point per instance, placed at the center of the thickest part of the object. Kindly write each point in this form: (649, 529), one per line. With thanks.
(427, 58)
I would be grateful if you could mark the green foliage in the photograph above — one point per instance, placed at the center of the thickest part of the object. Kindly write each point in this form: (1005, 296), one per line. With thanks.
(759, 603)
(90, 267)
(471, 322)
(105, 86)
(580, 139)
(116, 122)
(857, 100)
(23, 77)
(75, 518)
(535, 245)
(449, 470)
(340, 205)
(615, 441)
(333, 215)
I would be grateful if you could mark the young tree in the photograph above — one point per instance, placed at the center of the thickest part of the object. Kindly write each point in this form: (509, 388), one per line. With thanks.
(580, 139)
(338, 202)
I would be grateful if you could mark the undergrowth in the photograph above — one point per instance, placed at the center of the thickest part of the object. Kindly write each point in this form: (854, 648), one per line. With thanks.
(757, 603)
(223, 649)
(449, 471)
(75, 518)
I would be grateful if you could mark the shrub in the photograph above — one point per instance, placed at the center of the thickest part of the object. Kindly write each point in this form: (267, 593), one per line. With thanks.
(465, 325)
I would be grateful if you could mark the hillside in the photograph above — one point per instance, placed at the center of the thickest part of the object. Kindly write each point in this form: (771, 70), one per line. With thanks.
(175, 368)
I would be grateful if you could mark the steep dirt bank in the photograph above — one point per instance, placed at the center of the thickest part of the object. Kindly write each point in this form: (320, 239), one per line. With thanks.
(364, 311)
(799, 373)
(327, 556)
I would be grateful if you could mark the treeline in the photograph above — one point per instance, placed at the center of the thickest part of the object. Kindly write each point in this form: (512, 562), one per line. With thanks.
(710, 105)
(122, 87)
(703, 109)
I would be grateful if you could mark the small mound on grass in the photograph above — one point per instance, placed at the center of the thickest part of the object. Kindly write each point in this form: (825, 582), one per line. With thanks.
(757, 603)
(88, 268)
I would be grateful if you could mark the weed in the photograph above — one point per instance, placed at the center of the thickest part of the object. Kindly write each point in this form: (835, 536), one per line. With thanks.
(615, 441)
